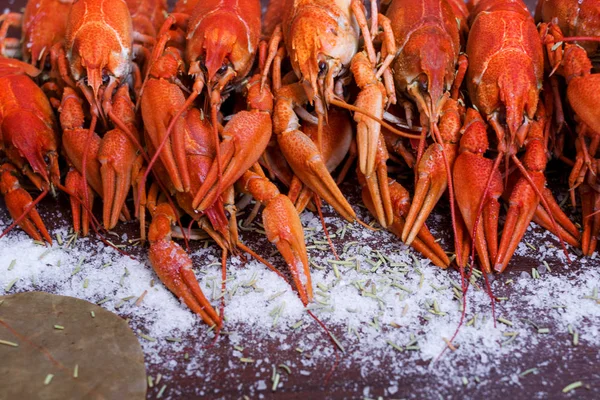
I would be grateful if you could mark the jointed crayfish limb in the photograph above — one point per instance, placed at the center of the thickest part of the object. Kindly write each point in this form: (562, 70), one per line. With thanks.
(110, 159)
(572, 62)
(470, 192)
(43, 25)
(504, 81)
(222, 40)
(368, 136)
(29, 141)
(424, 243)
(245, 138)
(302, 153)
(283, 228)
(174, 266)
(20, 205)
(428, 70)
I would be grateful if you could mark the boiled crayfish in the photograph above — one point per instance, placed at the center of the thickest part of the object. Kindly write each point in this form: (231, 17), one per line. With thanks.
(195, 115)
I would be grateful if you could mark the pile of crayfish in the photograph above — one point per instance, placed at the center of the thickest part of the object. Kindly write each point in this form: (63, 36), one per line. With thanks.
(197, 110)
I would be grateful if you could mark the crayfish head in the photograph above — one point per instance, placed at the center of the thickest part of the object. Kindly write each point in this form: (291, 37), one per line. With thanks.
(218, 46)
(93, 64)
(321, 47)
(433, 71)
(221, 43)
(99, 42)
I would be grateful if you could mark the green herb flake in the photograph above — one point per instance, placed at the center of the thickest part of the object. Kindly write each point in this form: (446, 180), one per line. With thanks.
(572, 386)
(76, 371)
(336, 341)
(12, 265)
(161, 391)
(44, 254)
(246, 360)
(297, 324)
(394, 345)
(10, 285)
(336, 271)
(78, 266)
(543, 330)
(59, 327)
(554, 47)
(173, 339)
(505, 321)
(285, 368)
(48, 379)
(275, 381)
(9, 343)
(148, 338)
(529, 371)
(104, 300)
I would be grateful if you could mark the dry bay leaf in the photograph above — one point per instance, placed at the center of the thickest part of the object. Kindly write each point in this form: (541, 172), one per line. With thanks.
(108, 356)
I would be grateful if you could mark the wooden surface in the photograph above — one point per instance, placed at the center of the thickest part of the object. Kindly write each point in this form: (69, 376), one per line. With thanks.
(348, 381)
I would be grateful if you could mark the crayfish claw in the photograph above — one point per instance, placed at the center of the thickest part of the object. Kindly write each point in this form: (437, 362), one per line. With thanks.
(75, 185)
(19, 205)
(424, 243)
(283, 228)
(174, 267)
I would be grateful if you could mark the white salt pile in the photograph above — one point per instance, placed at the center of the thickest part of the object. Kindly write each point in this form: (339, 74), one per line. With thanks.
(391, 311)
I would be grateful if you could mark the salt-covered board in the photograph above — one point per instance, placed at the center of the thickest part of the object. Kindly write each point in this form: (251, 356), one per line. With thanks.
(391, 315)
(545, 340)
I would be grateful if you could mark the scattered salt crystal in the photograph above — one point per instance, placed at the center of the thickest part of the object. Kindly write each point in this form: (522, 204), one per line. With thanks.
(361, 307)
(261, 385)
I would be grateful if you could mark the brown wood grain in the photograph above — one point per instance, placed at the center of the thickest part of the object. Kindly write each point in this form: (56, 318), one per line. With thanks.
(348, 381)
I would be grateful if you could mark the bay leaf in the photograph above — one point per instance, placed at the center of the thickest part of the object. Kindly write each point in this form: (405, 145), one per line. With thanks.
(46, 340)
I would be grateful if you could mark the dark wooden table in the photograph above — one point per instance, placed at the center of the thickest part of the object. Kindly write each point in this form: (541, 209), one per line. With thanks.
(217, 379)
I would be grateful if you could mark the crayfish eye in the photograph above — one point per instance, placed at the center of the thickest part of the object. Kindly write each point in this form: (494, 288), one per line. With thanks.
(222, 69)
(47, 160)
(322, 67)
(423, 85)
(105, 79)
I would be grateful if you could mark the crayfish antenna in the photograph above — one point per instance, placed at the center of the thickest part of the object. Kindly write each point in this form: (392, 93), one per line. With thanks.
(350, 107)
(317, 201)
